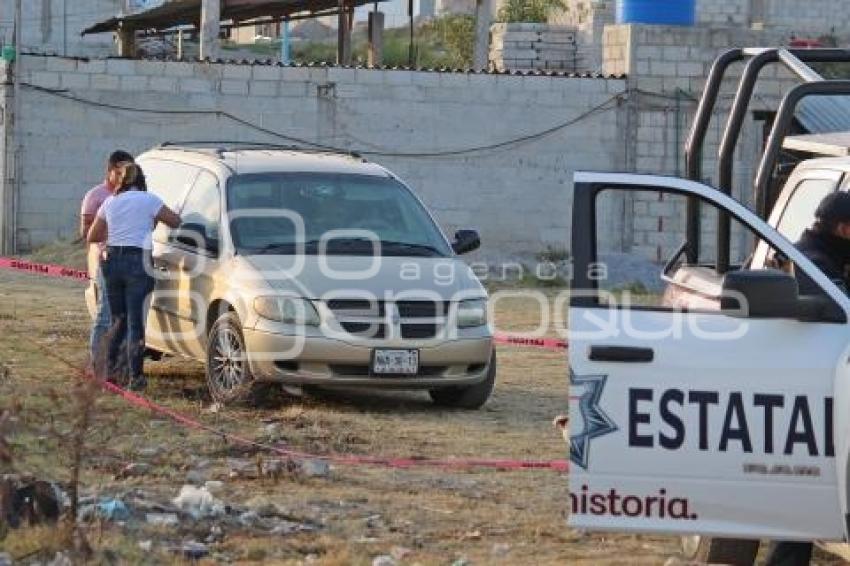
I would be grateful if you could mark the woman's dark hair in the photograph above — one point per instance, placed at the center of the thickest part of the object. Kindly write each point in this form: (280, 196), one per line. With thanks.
(118, 157)
(128, 176)
(141, 180)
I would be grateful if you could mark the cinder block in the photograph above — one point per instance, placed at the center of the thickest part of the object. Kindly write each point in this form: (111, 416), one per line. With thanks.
(92, 66)
(234, 86)
(163, 84)
(105, 82)
(398, 77)
(236, 72)
(137, 83)
(263, 88)
(178, 69)
(120, 67)
(75, 81)
(46, 79)
(195, 86)
(59, 64)
(266, 73)
(150, 68)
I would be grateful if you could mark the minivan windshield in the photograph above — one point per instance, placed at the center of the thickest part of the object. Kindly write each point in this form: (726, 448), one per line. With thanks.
(342, 214)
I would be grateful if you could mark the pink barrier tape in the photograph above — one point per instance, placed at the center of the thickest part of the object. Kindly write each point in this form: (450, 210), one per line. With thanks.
(545, 343)
(44, 269)
(49, 270)
(341, 459)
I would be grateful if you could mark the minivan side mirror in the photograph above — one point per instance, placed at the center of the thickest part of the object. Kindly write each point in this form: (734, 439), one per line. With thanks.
(770, 293)
(466, 241)
(194, 235)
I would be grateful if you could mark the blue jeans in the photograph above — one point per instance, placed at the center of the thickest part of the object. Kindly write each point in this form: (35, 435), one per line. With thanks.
(127, 271)
(101, 323)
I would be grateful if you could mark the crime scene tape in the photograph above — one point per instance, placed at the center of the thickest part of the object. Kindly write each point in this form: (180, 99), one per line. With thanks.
(186, 421)
(45, 269)
(61, 271)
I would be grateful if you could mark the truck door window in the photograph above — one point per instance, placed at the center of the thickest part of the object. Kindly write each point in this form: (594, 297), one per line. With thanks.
(800, 210)
(202, 208)
(170, 181)
(638, 236)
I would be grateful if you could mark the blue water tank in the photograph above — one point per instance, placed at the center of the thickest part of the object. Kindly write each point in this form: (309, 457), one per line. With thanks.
(664, 12)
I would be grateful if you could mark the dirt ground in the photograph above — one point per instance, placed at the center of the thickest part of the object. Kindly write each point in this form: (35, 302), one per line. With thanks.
(350, 515)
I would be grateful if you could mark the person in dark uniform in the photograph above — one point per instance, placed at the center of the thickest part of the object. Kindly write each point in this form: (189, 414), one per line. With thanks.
(827, 245)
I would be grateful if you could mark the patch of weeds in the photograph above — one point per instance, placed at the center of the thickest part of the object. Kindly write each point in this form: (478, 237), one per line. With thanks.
(553, 254)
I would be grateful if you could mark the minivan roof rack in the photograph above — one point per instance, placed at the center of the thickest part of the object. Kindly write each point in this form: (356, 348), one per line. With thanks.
(220, 147)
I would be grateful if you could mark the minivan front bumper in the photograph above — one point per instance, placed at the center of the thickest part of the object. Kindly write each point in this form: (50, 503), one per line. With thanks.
(319, 360)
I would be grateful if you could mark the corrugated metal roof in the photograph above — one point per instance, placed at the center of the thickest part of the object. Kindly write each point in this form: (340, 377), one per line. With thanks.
(275, 63)
(821, 114)
(188, 12)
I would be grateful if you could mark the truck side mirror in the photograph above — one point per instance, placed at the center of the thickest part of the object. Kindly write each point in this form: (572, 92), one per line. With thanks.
(770, 293)
(466, 241)
(761, 293)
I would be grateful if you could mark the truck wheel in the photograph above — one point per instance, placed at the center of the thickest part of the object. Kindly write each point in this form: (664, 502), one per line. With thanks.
(709, 550)
(228, 375)
(471, 397)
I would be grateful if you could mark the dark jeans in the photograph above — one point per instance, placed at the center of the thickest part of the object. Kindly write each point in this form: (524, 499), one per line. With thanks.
(127, 272)
(789, 554)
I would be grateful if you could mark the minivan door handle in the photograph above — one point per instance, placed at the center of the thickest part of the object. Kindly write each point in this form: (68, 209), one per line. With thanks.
(623, 354)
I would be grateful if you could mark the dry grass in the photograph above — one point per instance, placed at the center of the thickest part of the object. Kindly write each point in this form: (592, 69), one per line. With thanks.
(439, 516)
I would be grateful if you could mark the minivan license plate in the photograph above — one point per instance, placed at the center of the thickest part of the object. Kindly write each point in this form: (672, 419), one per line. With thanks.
(395, 362)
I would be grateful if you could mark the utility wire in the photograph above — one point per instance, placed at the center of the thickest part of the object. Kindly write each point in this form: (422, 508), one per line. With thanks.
(599, 108)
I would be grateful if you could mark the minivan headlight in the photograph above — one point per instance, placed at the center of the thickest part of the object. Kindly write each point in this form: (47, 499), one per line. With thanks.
(289, 310)
(472, 313)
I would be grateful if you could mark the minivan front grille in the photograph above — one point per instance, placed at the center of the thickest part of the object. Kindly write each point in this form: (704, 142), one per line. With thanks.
(419, 320)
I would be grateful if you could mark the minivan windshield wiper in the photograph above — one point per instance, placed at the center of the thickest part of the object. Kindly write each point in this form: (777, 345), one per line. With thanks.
(352, 246)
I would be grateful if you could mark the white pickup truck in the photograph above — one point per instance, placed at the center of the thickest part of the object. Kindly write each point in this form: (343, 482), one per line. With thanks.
(713, 399)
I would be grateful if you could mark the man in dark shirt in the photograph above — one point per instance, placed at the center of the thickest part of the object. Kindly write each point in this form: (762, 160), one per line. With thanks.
(827, 245)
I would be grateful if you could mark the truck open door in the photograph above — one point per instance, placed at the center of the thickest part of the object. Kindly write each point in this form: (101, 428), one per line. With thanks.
(719, 418)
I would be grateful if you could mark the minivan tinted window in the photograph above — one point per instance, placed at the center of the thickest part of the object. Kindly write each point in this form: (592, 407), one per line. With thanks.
(289, 212)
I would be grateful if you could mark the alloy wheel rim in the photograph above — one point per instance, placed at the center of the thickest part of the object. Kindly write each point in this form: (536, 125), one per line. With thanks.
(228, 371)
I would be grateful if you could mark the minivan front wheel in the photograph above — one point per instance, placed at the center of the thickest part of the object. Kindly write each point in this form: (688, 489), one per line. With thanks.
(469, 397)
(228, 375)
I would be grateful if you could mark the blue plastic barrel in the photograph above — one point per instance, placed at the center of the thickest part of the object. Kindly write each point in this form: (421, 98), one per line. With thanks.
(664, 12)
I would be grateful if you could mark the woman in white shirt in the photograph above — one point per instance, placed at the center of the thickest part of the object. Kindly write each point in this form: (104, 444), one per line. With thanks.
(126, 222)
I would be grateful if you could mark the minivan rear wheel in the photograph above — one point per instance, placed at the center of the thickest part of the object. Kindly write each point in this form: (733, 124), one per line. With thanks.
(229, 376)
(469, 397)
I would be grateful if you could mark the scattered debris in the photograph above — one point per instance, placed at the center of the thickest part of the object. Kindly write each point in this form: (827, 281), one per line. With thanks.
(500, 549)
(194, 550)
(216, 535)
(134, 470)
(197, 477)
(198, 502)
(244, 469)
(162, 519)
(5, 559)
(384, 560)
(400, 552)
(28, 501)
(61, 559)
(214, 486)
(315, 468)
(462, 562)
(145, 545)
(107, 509)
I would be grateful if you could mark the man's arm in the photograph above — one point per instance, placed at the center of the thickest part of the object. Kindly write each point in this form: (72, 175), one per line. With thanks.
(86, 220)
(97, 232)
(168, 217)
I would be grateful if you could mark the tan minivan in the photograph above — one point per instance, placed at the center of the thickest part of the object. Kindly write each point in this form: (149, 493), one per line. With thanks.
(311, 268)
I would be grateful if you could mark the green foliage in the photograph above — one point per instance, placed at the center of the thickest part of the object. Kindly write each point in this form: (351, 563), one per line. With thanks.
(442, 42)
(533, 11)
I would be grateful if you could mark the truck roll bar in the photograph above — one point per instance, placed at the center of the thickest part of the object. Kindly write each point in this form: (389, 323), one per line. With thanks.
(793, 59)
(781, 125)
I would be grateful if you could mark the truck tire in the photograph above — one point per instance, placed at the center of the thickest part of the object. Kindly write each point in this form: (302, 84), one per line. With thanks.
(710, 550)
(471, 397)
(229, 377)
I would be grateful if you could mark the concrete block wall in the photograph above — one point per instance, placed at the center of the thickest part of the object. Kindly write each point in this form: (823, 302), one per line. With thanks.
(667, 67)
(589, 18)
(809, 17)
(527, 47)
(55, 27)
(518, 196)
